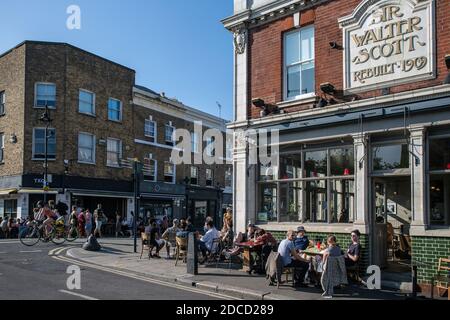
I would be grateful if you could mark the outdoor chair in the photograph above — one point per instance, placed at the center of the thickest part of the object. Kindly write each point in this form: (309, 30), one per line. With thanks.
(145, 244)
(182, 249)
(215, 253)
(442, 278)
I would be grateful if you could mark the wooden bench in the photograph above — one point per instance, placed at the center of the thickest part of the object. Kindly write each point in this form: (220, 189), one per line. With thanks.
(442, 278)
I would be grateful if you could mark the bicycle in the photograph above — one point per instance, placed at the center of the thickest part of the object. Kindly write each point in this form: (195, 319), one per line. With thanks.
(34, 232)
(72, 233)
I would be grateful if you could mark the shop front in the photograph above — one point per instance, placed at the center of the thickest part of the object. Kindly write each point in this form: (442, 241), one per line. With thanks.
(204, 202)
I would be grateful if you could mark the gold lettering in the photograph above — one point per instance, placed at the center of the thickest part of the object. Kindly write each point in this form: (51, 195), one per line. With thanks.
(358, 40)
(413, 24)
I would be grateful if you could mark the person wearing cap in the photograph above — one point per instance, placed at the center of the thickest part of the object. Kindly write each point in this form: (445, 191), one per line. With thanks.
(170, 235)
(301, 242)
(354, 250)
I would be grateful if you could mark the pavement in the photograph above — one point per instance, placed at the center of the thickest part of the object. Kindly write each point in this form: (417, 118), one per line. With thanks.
(117, 256)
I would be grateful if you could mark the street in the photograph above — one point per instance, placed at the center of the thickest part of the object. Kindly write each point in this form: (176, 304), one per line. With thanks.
(30, 273)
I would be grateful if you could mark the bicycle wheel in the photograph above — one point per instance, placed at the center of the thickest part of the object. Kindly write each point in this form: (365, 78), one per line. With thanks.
(58, 236)
(72, 234)
(30, 236)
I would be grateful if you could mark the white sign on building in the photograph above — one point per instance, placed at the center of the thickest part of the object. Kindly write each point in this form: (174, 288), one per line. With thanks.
(388, 42)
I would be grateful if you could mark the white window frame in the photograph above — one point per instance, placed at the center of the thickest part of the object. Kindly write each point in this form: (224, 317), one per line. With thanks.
(195, 142)
(2, 103)
(119, 153)
(94, 140)
(212, 177)
(147, 121)
(229, 170)
(174, 172)
(196, 177)
(35, 94)
(120, 110)
(2, 147)
(34, 145)
(299, 63)
(155, 164)
(93, 102)
(210, 147)
(172, 140)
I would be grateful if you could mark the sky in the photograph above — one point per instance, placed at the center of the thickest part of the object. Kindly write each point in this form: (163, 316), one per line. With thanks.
(178, 47)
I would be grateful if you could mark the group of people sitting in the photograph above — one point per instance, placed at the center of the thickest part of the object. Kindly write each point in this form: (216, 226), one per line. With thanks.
(292, 251)
(9, 227)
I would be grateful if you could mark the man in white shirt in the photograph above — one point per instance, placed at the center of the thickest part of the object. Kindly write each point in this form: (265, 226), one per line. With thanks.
(206, 242)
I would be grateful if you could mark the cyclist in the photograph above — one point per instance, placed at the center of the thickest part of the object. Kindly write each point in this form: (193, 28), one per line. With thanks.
(49, 215)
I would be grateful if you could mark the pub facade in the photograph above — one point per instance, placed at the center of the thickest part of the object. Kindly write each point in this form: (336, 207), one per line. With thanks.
(355, 99)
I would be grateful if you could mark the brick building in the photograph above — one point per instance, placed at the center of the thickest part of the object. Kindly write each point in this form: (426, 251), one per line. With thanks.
(95, 126)
(358, 92)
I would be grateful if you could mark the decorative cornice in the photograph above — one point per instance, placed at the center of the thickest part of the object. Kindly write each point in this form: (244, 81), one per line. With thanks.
(268, 13)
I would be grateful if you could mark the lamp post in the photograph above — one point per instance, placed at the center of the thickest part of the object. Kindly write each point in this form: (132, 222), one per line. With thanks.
(45, 117)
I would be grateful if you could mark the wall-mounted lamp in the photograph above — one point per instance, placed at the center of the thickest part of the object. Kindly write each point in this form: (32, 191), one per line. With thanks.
(327, 88)
(13, 138)
(335, 45)
(267, 108)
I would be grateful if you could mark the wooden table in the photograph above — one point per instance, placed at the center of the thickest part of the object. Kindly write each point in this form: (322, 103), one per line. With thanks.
(248, 247)
(313, 252)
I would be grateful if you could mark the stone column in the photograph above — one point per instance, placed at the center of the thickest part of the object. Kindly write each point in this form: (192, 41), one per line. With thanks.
(240, 74)
(418, 179)
(362, 182)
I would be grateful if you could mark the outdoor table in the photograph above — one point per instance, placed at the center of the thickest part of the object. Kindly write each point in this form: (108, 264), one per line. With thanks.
(313, 251)
(248, 247)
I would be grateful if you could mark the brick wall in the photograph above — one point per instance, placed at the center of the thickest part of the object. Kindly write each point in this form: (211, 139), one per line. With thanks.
(428, 250)
(266, 53)
(72, 69)
(12, 71)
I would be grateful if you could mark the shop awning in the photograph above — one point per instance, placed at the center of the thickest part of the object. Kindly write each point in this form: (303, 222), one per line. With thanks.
(162, 196)
(37, 191)
(100, 193)
(6, 192)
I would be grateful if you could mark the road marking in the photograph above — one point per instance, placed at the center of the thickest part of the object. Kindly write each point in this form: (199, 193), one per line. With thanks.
(8, 242)
(78, 295)
(58, 251)
(3, 252)
(136, 277)
(30, 251)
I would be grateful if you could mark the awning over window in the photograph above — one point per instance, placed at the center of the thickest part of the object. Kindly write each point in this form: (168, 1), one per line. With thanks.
(100, 193)
(5, 192)
(37, 191)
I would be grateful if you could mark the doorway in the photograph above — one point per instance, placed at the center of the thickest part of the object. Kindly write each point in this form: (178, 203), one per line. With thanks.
(391, 216)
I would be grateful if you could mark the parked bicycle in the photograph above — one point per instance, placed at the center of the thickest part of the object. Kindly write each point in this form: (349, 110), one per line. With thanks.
(59, 233)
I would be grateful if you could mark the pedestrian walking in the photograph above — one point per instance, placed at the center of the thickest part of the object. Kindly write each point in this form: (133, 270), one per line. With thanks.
(99, 217)
(118, 224)
(88, 226)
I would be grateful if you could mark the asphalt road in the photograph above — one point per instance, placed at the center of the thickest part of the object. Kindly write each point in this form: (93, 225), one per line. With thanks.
(30, 273)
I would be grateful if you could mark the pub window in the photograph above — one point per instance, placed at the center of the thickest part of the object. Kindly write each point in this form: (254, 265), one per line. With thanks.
(439, 177)
(299, 79)
(320, 186)
(390, 157)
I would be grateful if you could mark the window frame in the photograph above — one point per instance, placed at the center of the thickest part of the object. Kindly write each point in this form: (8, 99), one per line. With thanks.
(212, 177)
(146, 121)
(170, 142)
(155, 166)
(398, 171)
(12, 213)
(173, 175)
(94, 140)
(298, 63)
(33, 151)
(119, 153)
(195, 142)
(93, 102)
(36, 106)
(210, 147)
(2, 148)
(120, 110)
(2, 103)
(196, 176)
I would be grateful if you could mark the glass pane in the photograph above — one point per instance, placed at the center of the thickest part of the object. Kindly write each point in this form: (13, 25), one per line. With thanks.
(85, 141)
(439, 200)
(440, 154)
(85, 154)
(342, 201)
(113, 145)
(316, 163)
(267, 210)
(39, 134)
(342, 162)
(291, 202)
(316, 201)
(292, 49)
(290, 166)
(39, 148)
(390, 157)
(86, 107)
(293, 81)
(86, 97)
(308, 78)
(307, 43)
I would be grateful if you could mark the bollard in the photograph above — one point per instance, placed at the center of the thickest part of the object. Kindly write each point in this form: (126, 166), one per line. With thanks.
(414, 281)
(192, 256)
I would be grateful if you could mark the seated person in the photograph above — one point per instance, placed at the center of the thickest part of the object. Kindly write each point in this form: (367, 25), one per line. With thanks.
(182, 231)
(205, 244)
(155, 241)
(301, 242)
(190, 226)
(264, 238)
(292, 259)
(248, 236)
(354, 250)
(169, 236)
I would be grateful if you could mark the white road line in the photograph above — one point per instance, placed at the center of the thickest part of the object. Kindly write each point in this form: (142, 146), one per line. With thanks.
(30, 251)
(78, 295)
(8, 242)
(3, 252)
(154, 281)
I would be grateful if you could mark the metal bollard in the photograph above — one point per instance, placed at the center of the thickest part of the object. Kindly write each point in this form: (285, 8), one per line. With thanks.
(414, 281)
(192, 256)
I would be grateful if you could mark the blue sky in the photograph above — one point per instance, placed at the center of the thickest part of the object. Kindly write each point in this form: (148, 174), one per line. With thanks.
(176, 46)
